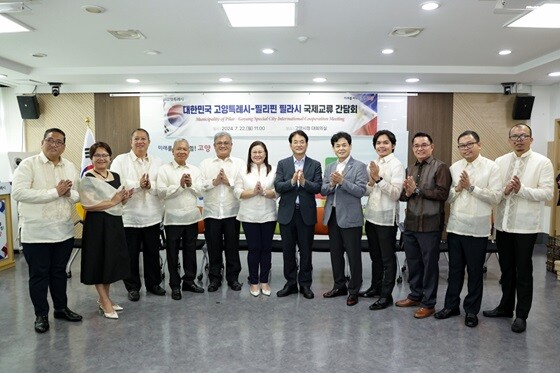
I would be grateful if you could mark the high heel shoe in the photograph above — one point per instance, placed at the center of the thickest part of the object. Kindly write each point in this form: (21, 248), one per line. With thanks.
(254, 293)
(111, 315)
(265, 288)
(116, 307)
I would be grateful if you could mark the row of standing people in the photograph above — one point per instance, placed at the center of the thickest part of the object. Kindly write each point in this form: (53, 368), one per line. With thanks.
(476, 185)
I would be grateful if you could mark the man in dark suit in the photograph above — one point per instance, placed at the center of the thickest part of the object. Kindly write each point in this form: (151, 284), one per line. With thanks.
(344, 184)
(298, 179)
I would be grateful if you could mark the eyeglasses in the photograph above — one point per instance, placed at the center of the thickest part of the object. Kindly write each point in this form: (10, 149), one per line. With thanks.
(54, 142)
(521, 137)
(223, 143)
(101, 155)
(466, 146)
(418, 146)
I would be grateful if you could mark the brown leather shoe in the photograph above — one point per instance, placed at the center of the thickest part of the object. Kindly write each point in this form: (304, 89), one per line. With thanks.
(424, 312)
(407, 303)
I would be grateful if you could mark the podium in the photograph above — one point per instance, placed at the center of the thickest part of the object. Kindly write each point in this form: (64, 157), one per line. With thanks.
(7, 259)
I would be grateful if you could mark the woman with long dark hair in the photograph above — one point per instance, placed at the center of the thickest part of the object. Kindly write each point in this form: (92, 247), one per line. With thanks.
(257, 213)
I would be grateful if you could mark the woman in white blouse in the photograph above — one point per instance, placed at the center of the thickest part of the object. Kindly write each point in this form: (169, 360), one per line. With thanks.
(386, 175)
(257, 213)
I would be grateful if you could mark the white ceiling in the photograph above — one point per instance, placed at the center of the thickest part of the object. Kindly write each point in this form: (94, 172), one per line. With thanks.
(458, 46)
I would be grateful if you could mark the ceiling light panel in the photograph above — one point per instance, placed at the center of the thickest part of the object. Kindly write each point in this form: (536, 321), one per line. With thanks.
(263, 13)
(8, 25)
(545, 16)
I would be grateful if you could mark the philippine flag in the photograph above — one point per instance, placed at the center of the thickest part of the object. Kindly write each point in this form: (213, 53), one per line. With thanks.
(86, 162)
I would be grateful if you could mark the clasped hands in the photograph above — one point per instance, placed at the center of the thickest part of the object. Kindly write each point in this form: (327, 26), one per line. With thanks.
(258, 190)
(63, 188)
(298, 176)
(464, 182)
(409, 186)
(336, 179)
(186, 181)
(513, 186)
(145, 181)
(122, 196)
(221, 179)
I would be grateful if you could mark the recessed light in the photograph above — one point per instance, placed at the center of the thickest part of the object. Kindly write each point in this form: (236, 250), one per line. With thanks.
(412, 80)
(3, 76)
(133, 80)
(39, 55)
(555, 73)
(268, 50)
(430, 5)
(152, 52)
(319, 80)
(504, 52)
(388, 51)
(226, 80)
(93, 9)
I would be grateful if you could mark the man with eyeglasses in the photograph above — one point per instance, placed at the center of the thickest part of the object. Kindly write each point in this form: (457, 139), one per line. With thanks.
(425, 190)
(221, 228)
(44, 187)
(142, 215)
(475, 189)
(528, 180)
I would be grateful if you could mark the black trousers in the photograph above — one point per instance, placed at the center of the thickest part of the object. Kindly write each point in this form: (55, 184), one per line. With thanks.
(422, 257)
(259, 255)
(297, 233)
(47, 271)
(146, 239)
(516, 264)
(470, 252)
(347, 240)
(381, 242)
(222, 236)
(181, 236)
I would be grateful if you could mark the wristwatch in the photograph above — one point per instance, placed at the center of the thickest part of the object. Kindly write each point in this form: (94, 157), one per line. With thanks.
(471, 188)
(417, 191)
(377, 182)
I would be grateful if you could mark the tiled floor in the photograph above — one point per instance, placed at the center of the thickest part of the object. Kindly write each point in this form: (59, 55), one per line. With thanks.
(231, 331)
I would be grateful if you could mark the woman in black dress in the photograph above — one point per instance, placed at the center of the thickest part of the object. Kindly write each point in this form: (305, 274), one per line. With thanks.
(104, 252)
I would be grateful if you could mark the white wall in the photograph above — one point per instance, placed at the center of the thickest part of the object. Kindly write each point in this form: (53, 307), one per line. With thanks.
(545, 110)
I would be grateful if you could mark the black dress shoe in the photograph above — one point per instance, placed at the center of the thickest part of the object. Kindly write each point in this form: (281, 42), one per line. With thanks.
(287, 290)
(519, 325)
(336, 293)
(307, 292)
(381, 304)
(214, 286)
(369, 293)
(176, 294)
(471, 320)
(67, 315)
(157, 290)
(235, 285)
(192, 287)
(447, 313)
(41, 324)
(134, 295)
(352, 300)
(497, 312)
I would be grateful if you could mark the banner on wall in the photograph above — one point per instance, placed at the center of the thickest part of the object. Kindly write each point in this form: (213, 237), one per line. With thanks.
(172, 117)
(269, 114)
